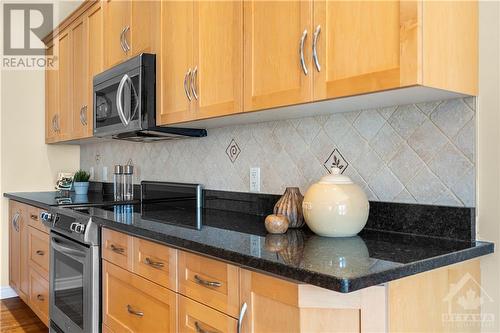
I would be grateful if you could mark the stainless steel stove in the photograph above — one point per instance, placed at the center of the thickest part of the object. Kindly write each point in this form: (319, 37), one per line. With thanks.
(74, 271)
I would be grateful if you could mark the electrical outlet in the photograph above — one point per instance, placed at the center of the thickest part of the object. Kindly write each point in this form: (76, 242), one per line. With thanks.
(255, 179)
(255, 246)
(104, 174)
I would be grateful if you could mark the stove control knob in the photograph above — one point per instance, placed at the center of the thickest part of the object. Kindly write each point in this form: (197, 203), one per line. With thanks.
(77, 227)
(48, 218)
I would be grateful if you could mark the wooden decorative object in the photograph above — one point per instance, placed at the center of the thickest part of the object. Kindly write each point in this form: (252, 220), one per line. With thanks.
(290, 205)
(276, 224)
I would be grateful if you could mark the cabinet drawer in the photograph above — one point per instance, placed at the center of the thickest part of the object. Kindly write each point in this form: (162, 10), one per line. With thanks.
(33, 216)
(210, 282)
(38, 251)
(117, 248)
(134, 304)
(155, 262)
(39, 295)
(196, 317)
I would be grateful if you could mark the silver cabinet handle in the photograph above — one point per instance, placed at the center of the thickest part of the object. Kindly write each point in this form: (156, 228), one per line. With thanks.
(134, 312)
(125, 43)
(154, 264)
(187, 77)
(315, 48)
(243, 310)
(194, 75)
(83, 115)
(199, 329)
(40, 297)
(301, 52)
(58, 129)
(116, 249)
(207, 283)
(40, 252)
(54, 123)
(15, 221)
(121, 41)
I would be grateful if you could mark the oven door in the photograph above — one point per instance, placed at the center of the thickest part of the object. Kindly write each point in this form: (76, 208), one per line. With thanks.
(74, 285)
(117, 104)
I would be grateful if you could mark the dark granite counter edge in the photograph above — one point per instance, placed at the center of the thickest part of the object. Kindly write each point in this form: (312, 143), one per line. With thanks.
(27, 201)
(297, 274)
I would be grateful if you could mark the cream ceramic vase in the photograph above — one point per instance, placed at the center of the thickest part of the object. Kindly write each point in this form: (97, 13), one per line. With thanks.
(335, 206)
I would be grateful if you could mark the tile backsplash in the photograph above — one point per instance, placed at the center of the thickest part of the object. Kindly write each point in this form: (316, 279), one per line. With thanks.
(417, 153)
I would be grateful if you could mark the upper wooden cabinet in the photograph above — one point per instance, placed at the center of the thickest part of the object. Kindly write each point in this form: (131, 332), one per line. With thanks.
(201, 65)
(130, 28)
(297, 52)
(277, 53)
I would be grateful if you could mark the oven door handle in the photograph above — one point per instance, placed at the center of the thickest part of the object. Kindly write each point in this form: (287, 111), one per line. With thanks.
(70, 252)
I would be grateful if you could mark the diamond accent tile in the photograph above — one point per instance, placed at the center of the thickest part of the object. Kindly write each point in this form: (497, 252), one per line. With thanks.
(233, 151)
(421, 153)
(336, 160)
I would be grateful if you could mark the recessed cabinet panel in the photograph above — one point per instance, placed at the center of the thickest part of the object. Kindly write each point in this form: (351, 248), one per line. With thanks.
(64, 117)
(79, 82)
(116, 20)
(218, 58)
(51, 99)
(176, 61)
(277, 53)
(358, 46)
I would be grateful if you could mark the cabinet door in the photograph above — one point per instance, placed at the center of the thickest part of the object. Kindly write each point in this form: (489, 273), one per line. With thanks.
(116, 19)
(271, 304)
(14, 245)
(176, 62)
(145, 28)
(273, 72)
(64, 117)
(39, 295)
(218, 58)
(134, 304)
(364, 46)
(24, 255)
(95, 59)
(79, 78)
(51, 99)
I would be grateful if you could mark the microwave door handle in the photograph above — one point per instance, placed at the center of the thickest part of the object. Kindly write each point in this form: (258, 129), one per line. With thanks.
(72, 253)
(134, 92)
(119, 105)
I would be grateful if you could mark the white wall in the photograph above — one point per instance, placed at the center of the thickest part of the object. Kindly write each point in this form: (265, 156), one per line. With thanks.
(26, 162)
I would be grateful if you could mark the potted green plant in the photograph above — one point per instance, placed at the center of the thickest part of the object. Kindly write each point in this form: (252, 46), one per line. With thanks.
(81, 182)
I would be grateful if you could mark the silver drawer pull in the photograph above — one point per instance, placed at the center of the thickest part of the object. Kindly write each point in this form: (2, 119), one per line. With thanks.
(154, 264)
(34, 217)
(40, 252)
(207, 283)
(134, 312)
(194, 86)
(40, 297)
(116, 249)
(199, 329)
(315, 48)
(187, 79)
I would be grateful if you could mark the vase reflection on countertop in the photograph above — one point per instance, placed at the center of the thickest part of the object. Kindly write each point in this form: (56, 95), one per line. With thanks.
(289, 246)
(342, 256)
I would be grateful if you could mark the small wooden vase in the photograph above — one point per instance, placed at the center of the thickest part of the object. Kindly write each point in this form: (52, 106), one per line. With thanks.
(290, 205)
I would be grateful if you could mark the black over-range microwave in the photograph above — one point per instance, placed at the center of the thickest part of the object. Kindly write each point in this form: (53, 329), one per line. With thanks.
(125, 103)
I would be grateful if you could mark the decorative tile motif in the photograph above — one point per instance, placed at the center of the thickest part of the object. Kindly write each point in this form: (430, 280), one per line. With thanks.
(421, 153)
(336, 160)
(233, 150)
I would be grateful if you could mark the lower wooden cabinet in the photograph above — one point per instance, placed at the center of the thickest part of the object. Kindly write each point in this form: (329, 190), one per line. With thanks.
(39, 295)
(29, 258)
(198, 318)
(134, 304)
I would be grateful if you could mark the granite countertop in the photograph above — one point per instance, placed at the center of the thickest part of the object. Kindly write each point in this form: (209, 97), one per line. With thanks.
(57, 198)
(340, 264)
